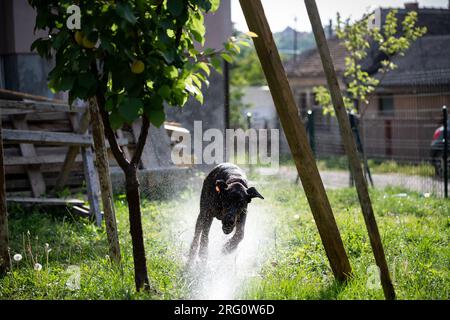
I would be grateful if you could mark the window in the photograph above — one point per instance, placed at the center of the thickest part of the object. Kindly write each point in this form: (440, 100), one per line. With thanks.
(386, 105)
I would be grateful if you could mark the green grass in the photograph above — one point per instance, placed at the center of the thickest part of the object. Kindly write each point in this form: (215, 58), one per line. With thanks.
(340, 163)
(415, 232)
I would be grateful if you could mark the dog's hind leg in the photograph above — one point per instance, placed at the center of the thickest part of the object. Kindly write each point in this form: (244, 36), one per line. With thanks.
(232, 244)
(205, 238)
(195, 241)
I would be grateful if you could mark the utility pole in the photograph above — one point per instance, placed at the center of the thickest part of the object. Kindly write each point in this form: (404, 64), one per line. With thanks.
(295, 39)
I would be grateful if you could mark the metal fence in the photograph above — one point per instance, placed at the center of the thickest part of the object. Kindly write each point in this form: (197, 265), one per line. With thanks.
(401, 148)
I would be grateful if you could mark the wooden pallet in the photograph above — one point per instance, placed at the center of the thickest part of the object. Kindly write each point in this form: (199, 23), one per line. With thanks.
(47, 147)
(21, 141)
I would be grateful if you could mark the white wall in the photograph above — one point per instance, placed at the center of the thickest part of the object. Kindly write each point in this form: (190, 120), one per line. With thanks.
(262, 105)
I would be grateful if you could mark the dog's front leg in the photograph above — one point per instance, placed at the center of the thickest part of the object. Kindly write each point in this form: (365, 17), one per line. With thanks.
(205, 238)
(194, 244)
(232, 244)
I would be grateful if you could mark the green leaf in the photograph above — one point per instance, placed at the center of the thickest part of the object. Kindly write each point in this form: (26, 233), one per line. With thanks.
(217, 64)
(67, 83)
(164, 92)
(227, 57)
(87, 80)
(116, 120)
(129, 108)
(176, 7)
(215, 4)
(125, 11)
(157, 117)
(60, 39)
(199, 97)
(203, 66)
(171, 72)
(198, 28)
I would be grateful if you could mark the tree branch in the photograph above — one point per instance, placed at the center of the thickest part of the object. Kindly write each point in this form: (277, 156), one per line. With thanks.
(141, 141)
(110, 135)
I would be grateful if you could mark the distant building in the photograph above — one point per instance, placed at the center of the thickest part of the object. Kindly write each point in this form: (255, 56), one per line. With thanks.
(420, 84)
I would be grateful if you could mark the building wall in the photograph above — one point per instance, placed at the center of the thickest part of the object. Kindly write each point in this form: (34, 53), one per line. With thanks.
(22, 70)
(406, 133)
(212, 114)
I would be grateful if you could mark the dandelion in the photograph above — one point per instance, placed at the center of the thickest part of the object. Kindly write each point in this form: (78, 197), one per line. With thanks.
(17, 257)
(47, 248)
(37, 266)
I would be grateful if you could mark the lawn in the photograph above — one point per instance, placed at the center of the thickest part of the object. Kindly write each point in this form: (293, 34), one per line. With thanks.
(281, 256)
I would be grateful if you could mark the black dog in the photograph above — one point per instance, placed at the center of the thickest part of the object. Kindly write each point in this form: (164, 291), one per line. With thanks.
(225, 196)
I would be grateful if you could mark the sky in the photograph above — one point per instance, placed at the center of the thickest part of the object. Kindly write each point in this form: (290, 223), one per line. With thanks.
(282, 13)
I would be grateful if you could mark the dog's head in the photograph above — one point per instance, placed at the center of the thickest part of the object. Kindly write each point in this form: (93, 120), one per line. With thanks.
(235, 197)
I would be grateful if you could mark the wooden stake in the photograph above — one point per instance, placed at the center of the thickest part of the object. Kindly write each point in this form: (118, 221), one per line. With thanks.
(102, 165)
(297, 139)
(71, 155)
(350, 148)
(4, 243)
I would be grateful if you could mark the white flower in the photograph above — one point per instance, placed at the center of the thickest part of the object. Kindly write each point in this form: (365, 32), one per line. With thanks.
(17, 257)
(37, 266)
(47, 248)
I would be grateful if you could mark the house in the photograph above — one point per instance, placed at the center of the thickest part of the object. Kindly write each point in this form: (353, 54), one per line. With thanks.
(403, 113)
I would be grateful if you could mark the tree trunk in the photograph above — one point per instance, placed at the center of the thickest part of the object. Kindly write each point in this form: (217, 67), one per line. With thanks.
(4, 244)
(129, 168)
(134, 208)
(102, 166)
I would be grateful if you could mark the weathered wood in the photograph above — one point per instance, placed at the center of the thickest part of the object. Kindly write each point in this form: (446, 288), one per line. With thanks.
(33, 106)
(102, 166)
(93, 189)
(350, 148)
(4, 239)
(79, 127)
(34, 175)
(51, 168)
(45, 201)
(81, 211)
(37, 160)
(24, 184)
(297, 138)
(46, 138)
(11, 136)
(15, 95)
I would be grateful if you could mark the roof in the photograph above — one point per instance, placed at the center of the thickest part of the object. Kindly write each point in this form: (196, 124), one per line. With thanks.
(436, 20)
(427, 62)
(310, 64)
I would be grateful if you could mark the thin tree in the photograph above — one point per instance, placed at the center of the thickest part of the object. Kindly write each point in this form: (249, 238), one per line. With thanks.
(134, 57)
(390, 39)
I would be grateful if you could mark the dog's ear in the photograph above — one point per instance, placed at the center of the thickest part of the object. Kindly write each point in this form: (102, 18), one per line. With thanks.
(221, 186)
(253, 193)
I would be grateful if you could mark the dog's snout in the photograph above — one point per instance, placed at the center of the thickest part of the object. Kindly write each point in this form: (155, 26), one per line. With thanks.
(228, 224)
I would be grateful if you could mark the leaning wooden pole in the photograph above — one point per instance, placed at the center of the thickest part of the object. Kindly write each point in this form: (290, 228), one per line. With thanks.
(350, 149)
(102, 165)
(4, 241)
(297, 139)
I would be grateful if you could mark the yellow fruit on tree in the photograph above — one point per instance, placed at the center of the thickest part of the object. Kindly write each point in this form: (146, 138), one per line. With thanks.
(87, 43)
(137, 67)
(79, 37)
